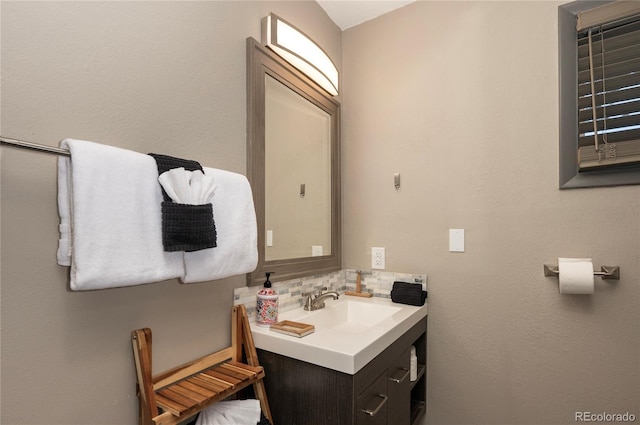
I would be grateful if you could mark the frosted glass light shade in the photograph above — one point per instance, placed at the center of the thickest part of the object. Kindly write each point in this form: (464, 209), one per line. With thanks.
(300, 51)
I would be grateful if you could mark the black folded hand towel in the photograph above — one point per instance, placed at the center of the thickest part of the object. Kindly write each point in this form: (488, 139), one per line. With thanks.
(408, 293)
(184, 227)
(187, 227)
(166, 163)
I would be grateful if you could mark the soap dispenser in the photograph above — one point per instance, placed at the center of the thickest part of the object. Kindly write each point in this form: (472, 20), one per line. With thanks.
(267, 304)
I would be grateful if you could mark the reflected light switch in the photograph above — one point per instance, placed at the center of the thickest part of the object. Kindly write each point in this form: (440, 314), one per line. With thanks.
(456, 240)
(269, 237)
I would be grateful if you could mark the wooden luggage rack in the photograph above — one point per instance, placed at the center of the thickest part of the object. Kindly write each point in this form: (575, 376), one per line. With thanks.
(182, 392)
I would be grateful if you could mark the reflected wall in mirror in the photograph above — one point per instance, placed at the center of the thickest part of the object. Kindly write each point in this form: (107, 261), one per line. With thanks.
(293, 164)
(297, 175)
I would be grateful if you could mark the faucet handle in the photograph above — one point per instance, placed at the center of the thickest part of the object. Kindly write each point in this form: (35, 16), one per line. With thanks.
(307, 300)
(324, 288)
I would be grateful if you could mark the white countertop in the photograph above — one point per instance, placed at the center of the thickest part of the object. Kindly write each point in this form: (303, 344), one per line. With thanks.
(341, 343)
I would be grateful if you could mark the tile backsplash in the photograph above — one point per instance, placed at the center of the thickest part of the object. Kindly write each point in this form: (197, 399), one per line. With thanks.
(377, 282)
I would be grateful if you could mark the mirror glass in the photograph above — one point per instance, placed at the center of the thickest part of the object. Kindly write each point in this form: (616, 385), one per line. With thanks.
(297, 175)
(293, 165)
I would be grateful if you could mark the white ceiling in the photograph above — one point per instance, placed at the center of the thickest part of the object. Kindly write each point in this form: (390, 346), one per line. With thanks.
(349, 13)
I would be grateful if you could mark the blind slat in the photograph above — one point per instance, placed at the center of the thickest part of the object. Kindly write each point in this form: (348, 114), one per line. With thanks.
(585, 115)
(612, 96)
(612, 123)
(612, 57)
(614, 39)
(619, 69)
(613, 84)
(611, 138)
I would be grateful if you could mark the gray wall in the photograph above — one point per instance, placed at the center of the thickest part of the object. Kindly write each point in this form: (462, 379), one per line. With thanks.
(461, 98)
(164, 77)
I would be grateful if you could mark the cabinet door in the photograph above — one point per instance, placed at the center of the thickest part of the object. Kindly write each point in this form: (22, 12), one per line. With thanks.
(372, 403)
(399, 389)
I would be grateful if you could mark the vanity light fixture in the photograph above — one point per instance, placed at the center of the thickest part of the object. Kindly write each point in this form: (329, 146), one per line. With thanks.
(300, 51)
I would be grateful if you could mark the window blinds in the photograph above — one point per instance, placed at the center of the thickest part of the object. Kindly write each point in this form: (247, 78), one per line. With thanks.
(609, 66)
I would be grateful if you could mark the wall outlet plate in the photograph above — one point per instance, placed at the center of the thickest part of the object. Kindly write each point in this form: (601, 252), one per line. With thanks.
(377, 258)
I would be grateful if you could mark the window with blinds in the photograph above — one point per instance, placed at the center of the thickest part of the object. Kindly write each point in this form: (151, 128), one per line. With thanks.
(608, 86)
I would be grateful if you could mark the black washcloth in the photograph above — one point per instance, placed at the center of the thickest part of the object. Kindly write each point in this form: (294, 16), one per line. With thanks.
(187, 227)
(408, 293)
(184, 227)
(166, 163)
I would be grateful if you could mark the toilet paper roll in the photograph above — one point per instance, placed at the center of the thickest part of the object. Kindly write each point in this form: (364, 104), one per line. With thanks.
(576, 275)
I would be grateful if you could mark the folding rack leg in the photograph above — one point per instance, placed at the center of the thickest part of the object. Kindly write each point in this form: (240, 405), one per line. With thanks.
(242, 337)
(142, 349)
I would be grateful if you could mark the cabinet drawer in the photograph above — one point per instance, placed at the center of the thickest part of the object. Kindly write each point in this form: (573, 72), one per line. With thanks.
(399, 371)
(372, 403)
(399, 389)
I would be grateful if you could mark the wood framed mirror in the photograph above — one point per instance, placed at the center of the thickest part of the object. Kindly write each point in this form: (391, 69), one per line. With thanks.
(293, 165)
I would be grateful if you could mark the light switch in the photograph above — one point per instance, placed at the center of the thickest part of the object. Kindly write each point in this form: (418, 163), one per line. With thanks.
(396, 180)
(456, 240)
(269, 237)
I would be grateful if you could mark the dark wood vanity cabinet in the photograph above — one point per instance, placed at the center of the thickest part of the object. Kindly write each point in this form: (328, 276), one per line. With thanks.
(380, 393)
(399, 389)
(372, 407)
(388, 399)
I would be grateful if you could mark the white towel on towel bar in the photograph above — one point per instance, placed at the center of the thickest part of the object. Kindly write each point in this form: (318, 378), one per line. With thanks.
(64, 201)
(237, 234)
(109, 202)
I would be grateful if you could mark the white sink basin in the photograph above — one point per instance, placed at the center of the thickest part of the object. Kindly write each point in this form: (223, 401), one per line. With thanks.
(348, 315)
(349, 332)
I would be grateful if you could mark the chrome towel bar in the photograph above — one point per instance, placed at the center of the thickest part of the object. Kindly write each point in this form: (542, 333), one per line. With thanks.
(34, 146)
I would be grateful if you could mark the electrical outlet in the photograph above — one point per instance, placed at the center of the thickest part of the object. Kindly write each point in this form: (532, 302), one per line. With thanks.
(377, 258)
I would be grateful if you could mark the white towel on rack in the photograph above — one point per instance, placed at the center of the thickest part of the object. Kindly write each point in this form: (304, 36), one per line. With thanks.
(233, 412)
(109, 202)
(237, 234)
(64, 210)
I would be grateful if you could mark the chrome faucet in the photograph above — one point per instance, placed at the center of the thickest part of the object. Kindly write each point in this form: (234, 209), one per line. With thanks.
(317, 302)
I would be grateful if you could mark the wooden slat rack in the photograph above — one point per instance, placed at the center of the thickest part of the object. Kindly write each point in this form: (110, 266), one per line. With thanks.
(182, 392)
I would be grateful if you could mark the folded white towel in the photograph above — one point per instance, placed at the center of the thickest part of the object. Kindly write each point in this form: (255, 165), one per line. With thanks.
(64, 202)
(187, 187)
(237, 235)
(234, 412)
(110, 220)
(202, 188)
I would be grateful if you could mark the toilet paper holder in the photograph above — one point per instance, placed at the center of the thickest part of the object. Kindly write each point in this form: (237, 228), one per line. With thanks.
(606, 272)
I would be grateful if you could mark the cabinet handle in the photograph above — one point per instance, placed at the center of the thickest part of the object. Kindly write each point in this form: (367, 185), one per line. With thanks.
(377, 409)
(396, 380)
